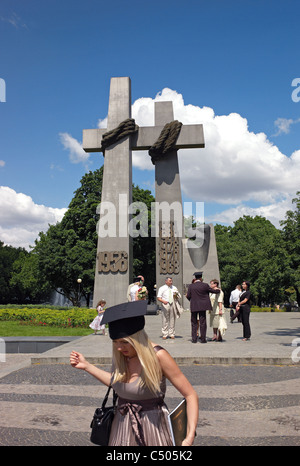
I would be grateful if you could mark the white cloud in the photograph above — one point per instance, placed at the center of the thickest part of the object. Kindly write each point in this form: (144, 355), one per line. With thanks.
(76, 152)
(102, 123)
(273, 212)
(284, 125)
(236, 167)
(14, 20)
(236, 164)
(2, 163)
(21, 219)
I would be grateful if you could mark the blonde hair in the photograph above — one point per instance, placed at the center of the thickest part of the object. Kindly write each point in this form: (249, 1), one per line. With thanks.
(151, 371)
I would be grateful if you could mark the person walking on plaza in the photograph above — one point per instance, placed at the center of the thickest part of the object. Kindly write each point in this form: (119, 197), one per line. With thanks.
(217, 310)
(198, 295)
(138, 376)
(243, 306)
(168, 295)
(233, 300)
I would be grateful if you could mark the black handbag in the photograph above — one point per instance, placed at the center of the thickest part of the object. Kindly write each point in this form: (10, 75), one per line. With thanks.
(102, 421)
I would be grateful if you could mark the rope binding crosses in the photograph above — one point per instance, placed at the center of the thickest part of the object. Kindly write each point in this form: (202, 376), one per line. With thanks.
(164, 144)
(124, 129)
(166, 140)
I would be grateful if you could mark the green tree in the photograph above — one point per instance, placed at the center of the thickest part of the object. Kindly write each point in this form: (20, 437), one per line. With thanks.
(253, 249)
(9, 292)
(67, 251)
(26, 277)
(291, 236)
(144, 246)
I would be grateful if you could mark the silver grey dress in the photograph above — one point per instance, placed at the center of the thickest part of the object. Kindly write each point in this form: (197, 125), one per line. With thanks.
(141, 419)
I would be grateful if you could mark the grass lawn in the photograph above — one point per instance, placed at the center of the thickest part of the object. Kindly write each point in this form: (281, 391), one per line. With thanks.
(15, 329)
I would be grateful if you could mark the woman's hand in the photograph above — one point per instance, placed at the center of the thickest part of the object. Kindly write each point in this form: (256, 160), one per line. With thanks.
(187, 442)
(77, 360)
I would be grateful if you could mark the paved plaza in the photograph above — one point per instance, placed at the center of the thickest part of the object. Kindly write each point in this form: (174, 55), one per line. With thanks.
(273, 334)
(249, 392)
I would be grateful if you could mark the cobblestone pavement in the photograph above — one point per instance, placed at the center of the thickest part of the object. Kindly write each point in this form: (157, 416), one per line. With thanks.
(52, 405)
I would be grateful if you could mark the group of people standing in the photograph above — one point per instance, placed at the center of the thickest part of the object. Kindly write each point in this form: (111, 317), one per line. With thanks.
(203, 297)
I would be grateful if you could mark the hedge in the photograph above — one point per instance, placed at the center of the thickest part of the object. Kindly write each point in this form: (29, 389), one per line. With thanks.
(267, 309)
(65, 317)
(72, 317)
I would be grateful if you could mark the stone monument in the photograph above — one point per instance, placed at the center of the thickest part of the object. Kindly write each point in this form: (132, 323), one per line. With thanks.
(175, 256)
(204, 258)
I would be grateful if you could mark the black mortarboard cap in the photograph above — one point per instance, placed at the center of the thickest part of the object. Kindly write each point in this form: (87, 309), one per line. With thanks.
(198, 274)
(125, 319)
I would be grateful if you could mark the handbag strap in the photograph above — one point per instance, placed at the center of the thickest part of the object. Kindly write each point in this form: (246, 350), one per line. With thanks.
(115, 396)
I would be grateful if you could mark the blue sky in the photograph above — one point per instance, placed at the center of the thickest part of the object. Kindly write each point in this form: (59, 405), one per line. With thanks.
(227, 64)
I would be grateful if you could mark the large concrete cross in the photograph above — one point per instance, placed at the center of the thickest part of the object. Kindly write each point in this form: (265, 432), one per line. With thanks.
(114, 254)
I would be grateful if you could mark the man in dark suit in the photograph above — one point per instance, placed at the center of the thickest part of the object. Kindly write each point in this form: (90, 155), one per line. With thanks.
(198, 295)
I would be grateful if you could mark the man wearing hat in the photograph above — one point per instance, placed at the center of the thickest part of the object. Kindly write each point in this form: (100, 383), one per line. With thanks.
(198, 295)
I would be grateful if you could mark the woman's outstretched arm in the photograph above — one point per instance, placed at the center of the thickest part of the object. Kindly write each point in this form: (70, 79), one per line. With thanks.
(78, 361)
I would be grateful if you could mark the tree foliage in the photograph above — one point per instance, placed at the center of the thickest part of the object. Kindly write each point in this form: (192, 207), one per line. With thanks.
(144, 246)
(67, 251)
(291, 235)
(27, 279)
(253, 249)
(9, 292)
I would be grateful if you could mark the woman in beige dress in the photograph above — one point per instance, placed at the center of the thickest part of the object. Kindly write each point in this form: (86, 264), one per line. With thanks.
(138, 376)
(217, 310)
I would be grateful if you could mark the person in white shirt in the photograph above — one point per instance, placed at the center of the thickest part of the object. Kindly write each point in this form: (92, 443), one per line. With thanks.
(233, 300)
(168, 295)
(132, 291)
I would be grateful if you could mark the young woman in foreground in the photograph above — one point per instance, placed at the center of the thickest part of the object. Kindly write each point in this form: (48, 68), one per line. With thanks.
(138, 376)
